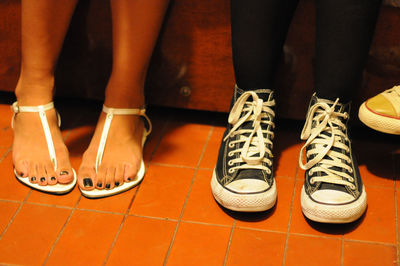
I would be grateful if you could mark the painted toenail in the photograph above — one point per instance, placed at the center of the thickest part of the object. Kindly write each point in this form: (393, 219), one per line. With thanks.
(42, 179)
(99, 184)
(21, 174)
(108, 185)
(129, 179)
(87, 182)
(64, 173)
(33, 178)
(116, 184)
(53, 178)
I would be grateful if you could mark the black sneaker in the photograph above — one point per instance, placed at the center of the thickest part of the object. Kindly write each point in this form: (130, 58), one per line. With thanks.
(243, 177)
(333, 191)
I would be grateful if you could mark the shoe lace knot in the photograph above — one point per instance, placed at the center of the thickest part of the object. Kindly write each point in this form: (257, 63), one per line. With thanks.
(327, 137)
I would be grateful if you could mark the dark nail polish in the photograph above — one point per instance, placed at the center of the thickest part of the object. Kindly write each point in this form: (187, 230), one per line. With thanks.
(52, 178)
(116, 184)
(108, 185)
(87, 182)
(129, 179)
(21, 174)
(33, 178)
(99, 184)
(64, 173)
(42, 179)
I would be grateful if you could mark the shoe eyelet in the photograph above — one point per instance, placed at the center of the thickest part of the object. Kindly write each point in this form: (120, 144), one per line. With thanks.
(231, 145)
(230, 154)
(231, 171)
(269, 171)
(312, 181)
(351, 170)
(353, 187)
(230, 162)
(311, 172)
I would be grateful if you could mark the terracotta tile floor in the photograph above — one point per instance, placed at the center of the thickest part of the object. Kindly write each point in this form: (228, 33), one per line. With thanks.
(171, 217)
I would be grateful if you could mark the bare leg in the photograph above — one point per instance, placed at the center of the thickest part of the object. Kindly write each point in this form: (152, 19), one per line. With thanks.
(44, 24)
(136, 24)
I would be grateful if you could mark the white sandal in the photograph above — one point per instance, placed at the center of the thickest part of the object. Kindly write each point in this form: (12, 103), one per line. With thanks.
(98, 193)
(41, 109)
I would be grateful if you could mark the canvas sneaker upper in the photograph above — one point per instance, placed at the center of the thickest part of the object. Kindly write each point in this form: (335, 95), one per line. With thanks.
(245, 157)
(332, 175)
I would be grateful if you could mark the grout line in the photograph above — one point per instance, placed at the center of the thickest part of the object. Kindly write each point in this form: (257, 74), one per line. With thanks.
(136, 192)
(120, 227)
(61, 231)
(229, 243)
(370, 242)
(208, 224)
(174, 166)
(260, 229)
(15, 214)
(154, 218)
(342, 251)
(187, 196)
(12, 201)
(99, 211)
(290, 215)
(49, 205)
(5, 154)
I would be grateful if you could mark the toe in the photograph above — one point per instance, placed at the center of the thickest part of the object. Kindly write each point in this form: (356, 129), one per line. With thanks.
(42, 175)
(130, 172)
(87, 178)
(21, 166)
(119, 175)
(51, 174)
(110, 177)
(65, 174)
(101, 177)
(33, 173)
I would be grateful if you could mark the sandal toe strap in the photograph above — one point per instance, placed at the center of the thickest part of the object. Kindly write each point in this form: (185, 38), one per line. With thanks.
(41, 109)
(107, 124)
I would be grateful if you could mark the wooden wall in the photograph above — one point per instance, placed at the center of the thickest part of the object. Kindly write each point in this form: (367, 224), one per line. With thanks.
(192, 64)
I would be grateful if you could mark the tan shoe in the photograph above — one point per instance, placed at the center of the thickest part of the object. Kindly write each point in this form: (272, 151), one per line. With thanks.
(382, 112)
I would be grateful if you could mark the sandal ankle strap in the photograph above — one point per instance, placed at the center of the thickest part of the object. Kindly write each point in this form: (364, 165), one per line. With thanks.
(31, 109)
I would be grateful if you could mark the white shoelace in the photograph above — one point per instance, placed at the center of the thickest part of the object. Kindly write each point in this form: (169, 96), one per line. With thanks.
(258, 112)
(326, 120)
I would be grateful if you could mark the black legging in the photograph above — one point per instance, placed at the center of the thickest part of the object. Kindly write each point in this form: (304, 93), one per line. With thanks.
(344, 32)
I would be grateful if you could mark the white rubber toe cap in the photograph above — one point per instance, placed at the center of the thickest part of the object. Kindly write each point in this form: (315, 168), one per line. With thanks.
(248, 186)
(332, 196)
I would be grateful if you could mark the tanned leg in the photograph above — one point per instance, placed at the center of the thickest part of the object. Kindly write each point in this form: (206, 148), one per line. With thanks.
(44, 25)
(136, 24)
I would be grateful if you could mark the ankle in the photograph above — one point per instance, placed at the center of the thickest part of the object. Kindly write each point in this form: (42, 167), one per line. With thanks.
(117, 96)
(34, 90)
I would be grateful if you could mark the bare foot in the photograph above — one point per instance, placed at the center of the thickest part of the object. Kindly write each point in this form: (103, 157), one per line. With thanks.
(122, 154)
(30, 153)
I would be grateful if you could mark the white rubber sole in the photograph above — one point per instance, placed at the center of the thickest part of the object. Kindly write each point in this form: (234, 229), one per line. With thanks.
(243, 202)
(378, 122)
(337, 214)
(58, 189)
(101, 193)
